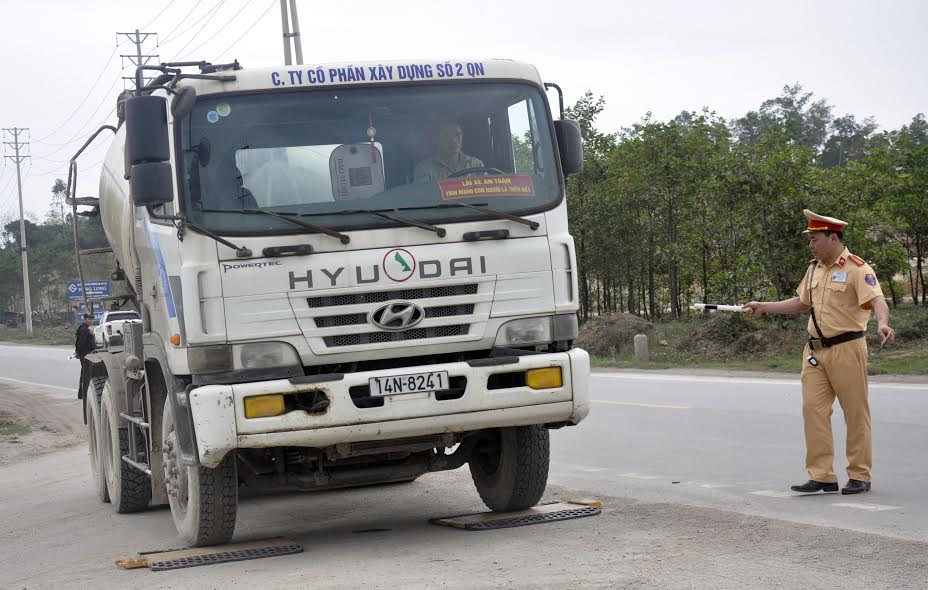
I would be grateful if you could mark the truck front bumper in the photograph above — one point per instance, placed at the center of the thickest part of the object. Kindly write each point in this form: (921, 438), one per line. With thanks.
(220, 424)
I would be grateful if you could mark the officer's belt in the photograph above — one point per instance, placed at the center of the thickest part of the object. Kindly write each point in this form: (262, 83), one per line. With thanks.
(835, 340)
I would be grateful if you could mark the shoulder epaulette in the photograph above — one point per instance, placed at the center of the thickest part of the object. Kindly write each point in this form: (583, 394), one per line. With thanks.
(857, 260)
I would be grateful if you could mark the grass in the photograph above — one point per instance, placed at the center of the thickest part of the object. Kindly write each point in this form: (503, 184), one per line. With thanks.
(42, 334)
(885, 362)
(766, 344)
(785, 364)
(14, 430)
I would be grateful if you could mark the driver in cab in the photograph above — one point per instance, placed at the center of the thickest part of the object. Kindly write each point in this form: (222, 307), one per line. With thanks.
(447, 157)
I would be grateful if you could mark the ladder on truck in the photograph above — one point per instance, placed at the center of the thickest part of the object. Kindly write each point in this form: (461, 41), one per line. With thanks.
(74, 201)
(138, 403)
(138, 411)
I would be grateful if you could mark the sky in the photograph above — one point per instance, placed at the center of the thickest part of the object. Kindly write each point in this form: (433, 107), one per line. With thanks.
(60, 64)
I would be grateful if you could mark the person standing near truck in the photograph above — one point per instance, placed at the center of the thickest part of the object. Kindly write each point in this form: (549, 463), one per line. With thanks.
(84, 344)
(839, 289)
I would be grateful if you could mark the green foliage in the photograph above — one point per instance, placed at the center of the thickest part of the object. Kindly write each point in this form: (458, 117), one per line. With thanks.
(697, 208)
(51, 257)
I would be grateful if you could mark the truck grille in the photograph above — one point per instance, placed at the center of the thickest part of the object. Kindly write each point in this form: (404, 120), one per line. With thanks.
(381, 337)
(340, 322)
(381, 296)
(353, 319)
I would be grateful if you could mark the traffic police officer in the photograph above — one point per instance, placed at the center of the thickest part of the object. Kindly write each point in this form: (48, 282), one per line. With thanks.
(840, 290)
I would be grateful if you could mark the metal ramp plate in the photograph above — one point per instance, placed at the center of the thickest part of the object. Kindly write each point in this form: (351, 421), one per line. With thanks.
(553, 512)
(174, 559)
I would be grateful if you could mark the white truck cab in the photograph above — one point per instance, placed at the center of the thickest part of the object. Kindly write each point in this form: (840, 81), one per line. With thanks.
(346, 274)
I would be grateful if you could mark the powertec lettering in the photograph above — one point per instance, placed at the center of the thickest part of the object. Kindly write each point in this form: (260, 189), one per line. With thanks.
(227, 267)
(319, 75)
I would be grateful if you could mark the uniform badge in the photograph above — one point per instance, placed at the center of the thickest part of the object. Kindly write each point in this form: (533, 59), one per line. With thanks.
(871, 280)
(838, 277)
(842, 262)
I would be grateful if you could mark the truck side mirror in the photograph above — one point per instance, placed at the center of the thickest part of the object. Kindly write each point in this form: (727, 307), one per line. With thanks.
(148, 151)
(151, 184)
(183, 102)
(570, 146)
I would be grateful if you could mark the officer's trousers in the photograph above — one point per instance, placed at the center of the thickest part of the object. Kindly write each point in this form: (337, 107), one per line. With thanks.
(841, 373)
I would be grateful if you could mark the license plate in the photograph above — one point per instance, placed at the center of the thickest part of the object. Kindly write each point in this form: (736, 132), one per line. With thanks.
(416, 383)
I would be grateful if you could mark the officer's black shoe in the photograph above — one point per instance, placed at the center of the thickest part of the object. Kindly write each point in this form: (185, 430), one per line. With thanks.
(855, 486)
(813, 486)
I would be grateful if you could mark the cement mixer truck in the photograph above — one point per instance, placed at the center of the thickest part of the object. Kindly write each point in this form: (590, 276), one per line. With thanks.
(346, 274)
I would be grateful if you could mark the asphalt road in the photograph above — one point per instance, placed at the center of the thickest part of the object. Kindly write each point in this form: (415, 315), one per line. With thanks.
(694, 470)
(45, 365)
(737, 444)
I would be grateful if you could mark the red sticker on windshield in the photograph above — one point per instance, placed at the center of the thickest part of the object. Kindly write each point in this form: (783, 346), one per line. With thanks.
(518, 185)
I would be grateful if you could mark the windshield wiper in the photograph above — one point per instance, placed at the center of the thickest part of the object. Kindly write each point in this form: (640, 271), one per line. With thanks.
(480, 207)
(343, 238)
(240, 251)
(381, 213)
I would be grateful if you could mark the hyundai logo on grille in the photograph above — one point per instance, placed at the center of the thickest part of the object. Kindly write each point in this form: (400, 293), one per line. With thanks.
(397, 315)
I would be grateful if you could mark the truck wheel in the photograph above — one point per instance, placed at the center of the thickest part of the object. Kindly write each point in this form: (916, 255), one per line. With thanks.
(129, 489)
(510, 467)
(93, 438)
(204, 501)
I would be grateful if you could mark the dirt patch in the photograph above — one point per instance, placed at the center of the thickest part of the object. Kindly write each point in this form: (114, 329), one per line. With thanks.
(612, 335)
(34, 422)
(733, 336)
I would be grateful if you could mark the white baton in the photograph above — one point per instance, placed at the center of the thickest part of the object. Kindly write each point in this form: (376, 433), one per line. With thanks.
(734, 308)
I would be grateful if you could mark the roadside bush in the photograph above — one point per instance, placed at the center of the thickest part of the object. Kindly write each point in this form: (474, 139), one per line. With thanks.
(611, 335)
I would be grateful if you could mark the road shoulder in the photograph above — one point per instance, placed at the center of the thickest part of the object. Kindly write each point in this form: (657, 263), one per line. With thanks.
(34, 422)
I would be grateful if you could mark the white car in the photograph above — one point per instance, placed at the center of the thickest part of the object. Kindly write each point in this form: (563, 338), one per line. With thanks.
(109, 330)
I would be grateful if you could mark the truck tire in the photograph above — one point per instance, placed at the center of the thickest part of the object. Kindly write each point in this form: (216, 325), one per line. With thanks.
(204, 501)
(129, 489)
(510, 467)
(97, 472)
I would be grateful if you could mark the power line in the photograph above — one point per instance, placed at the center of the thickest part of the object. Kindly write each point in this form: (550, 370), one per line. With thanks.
(214, 11)
(168, 5)
(248, 30)
(77, 136)
(169, 37)
(54, 161)
(84, 100)
(219, 30)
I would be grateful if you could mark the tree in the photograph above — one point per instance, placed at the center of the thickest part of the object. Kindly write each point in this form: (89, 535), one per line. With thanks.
(56, 210)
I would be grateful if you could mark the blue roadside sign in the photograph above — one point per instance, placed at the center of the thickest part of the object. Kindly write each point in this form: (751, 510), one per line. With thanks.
(80, 309)
(94, 289)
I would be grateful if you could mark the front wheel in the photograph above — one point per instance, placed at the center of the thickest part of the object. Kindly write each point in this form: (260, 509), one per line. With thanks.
(204, 501)
(510, 467)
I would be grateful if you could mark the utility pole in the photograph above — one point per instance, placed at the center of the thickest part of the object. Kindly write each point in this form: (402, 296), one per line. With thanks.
(18, 159)
(139, 59)
(287, 35)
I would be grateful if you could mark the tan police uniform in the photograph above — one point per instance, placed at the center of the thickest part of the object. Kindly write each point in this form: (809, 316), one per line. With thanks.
(841, 294)
(434, 168)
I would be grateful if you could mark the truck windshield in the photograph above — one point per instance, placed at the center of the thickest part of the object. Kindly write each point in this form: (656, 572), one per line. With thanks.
(327, 153)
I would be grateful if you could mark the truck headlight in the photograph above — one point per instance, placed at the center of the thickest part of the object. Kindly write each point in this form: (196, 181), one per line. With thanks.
(253, 355)
(541, 330)
(265, 355)
(524, 331)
